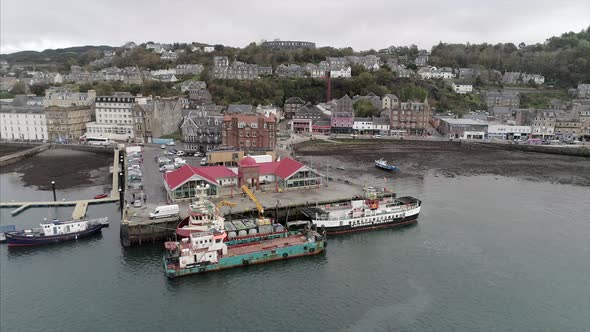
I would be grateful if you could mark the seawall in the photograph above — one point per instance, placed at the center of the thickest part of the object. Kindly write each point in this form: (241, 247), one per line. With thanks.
(14, 157)
(580, 151)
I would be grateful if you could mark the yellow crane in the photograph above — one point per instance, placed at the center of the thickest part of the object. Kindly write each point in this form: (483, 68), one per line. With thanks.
(224, 203)
(261, 219)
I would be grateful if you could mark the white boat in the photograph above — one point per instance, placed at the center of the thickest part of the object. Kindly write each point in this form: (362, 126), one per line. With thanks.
(381, 163)
(370, 211)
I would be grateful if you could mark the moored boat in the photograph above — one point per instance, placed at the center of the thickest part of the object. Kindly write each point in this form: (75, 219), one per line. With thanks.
(381, 163)
(203, 215)
(372, 210)
(207, 251)
(56, 231)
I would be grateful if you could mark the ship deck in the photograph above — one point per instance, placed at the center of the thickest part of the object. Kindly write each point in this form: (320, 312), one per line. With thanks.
(266, 245)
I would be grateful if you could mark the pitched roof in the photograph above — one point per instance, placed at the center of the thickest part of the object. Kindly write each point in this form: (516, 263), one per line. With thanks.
(208, 173)
(239, 108)
(287, 167)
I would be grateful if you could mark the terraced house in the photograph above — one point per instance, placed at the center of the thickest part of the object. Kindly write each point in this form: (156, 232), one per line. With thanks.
(67, 124)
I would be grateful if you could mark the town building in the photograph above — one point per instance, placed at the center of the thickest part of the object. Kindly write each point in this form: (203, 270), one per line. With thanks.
(249, 131)
(371, 97)
(199, 97)
(342, 119)
(154, 118)
(222, 69)
(427, 73)
(67, 124)
(466, 74)
(507, 132)
(189, 69)
(285, 175)
(390, 101)
(114, 117)
(46, 78)
(287, 44)
(169, 56)
(239, 109)
(583, 91)
(411, 118)
(422, 58)
(462, 88)
(363, 126)
(381, 125)
(63, 97)
(343, 71)
(201, 131)
(522, 78)
(544, 124)
(22, 123)
(292, 105)
(268, 110)
(462, 128)
(291, 71)
(568, 129)
(502, 98)
(192, 85)
(305, 117)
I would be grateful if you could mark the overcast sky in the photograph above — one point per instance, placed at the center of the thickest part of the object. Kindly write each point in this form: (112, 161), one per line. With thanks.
(362, 24)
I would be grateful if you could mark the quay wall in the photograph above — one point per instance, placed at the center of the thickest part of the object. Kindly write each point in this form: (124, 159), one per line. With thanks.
(151, 231)
(88, 148)
(14, 157)
(569, 151)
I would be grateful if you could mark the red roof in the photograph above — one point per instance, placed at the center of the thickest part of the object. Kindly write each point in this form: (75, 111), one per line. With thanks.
(283, 169)
(179, 176)
(287, 167)
(208, 173)
(248, 161)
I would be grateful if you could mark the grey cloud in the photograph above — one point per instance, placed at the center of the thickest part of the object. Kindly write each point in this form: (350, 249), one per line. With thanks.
(37, 24)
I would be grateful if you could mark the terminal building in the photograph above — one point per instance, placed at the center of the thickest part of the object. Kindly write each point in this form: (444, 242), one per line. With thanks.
(285, 174)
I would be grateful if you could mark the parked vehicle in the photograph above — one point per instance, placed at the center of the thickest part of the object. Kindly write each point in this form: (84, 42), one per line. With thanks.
(101, 196)
(162, 146)
(165, 211)
(134, 167)
(137, 203)
(170, 143)
(180, 153)
(204, 161)
(377, 136)
(168, 167)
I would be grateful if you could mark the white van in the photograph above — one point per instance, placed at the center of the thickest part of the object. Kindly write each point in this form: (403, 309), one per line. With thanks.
(165, 211)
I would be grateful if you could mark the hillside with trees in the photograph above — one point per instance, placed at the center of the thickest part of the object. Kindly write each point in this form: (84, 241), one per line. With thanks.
(563, 60)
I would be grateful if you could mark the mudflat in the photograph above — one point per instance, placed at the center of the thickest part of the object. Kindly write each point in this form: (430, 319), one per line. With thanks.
(417, 158)
(68, 168)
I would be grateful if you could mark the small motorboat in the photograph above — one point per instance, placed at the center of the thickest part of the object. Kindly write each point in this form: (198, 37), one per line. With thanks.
(381, 163)
(101, 196)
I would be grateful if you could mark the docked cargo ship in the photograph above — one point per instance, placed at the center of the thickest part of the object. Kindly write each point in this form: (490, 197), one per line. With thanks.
(204, 215)
(208, 251)
(372, 210)
(56, 231)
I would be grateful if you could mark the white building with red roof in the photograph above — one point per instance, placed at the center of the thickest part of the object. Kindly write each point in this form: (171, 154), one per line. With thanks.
(284, 174)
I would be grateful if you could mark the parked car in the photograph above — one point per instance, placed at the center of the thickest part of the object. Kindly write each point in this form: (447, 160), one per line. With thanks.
(377, 136)
(170, 143)
(204, 161)
(162, 146)
(134, 167)
(137, 203)
(168, 167)
(180, 153)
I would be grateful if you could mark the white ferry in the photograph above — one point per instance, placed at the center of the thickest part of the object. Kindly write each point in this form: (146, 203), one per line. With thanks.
(373, 210)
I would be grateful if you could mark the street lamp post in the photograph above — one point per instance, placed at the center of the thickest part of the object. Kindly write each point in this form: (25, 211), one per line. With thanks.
(53, 187)
(121, 199)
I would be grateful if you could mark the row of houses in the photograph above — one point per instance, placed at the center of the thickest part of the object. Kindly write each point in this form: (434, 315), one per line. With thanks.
(337, 116)
(546, 124)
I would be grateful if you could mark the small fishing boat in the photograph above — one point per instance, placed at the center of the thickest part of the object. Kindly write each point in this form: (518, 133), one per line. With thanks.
(381, 163)
(56, 231)
(101, 196)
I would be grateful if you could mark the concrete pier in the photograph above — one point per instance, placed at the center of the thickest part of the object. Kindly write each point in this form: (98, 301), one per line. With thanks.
(81, 206)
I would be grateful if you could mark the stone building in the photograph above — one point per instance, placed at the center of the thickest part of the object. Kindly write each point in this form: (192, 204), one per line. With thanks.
(342, 118)
(63, 97)
(411, 117)
(502, 98)
(249, 131)
(114, 117)
(287, 44)
(201, 130)
(67, 124)
(291, 106)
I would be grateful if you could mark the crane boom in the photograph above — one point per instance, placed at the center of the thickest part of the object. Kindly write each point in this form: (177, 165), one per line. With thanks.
(253, 199)
(224, 203)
